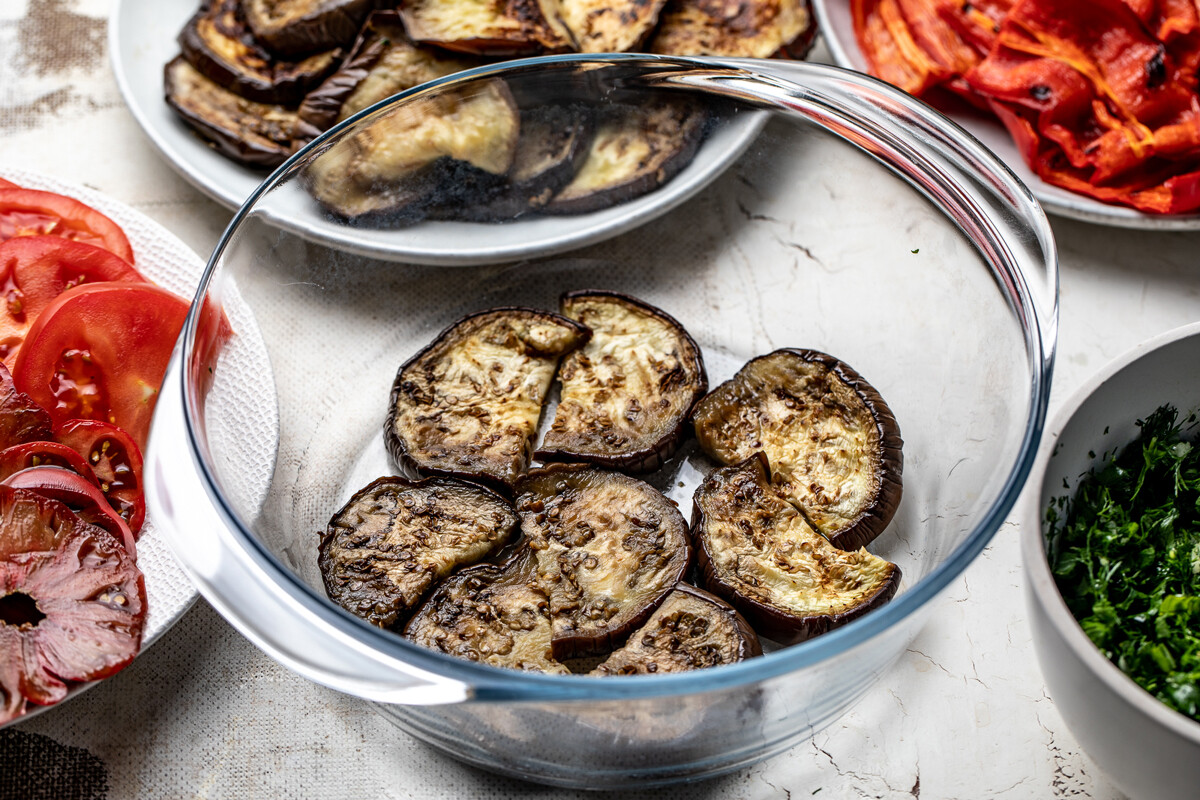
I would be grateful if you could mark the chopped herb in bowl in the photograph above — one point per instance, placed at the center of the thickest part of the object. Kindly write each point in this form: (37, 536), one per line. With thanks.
(1125, 552)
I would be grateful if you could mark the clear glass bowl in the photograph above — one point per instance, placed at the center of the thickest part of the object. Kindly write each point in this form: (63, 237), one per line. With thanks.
(858, 222)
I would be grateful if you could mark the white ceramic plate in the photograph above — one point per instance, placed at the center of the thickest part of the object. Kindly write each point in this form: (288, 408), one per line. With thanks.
(838, 29)
(142, 40)
(167, 261)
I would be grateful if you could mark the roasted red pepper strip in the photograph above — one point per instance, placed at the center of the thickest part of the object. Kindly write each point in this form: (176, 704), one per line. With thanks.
(890, 46)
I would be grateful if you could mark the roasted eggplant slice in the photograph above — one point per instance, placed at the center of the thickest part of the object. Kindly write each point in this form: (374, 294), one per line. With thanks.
(306, 26)
(395, 538)
(469, 403)
(496, 614)
(832, 441)
(384, 61)
(757, 551)
(636, 149)
(553, 144)
(735, 28)
(217, 42)
(599, 26)
(627, 393)
(448, 148)
(482, 27)
(692, 629)
(609, 549)
(255, 134)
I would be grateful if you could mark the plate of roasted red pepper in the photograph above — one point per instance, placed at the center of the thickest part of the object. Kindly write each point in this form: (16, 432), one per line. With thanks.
(1095, 104)
(92, 298)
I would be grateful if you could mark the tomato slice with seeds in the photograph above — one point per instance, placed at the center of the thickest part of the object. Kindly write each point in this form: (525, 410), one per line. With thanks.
(115, 459)
(39, 454)
(21, 419)
(36, 269)
(73, 491)
(29, 212)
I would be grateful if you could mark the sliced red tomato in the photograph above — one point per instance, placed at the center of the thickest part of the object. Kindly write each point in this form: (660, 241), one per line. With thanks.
(8, 184)
(70, 489)
(21, 419)
(36, 269)
(40, 454)
(29, 212)
(115, 459)
(99, 352)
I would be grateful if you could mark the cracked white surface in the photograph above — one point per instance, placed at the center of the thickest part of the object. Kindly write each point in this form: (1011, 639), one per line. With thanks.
(963, 714)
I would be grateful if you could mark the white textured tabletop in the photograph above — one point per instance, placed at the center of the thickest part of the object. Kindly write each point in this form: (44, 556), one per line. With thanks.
(964, 713)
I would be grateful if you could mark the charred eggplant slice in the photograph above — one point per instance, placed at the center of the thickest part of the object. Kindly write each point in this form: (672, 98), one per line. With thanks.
(469, 403)
(553, 144)
(627, 393)
(395, 538)
(692, 629)
(305, 26)
(609, 548)
(757, 551)
(735, 28)
(482, 27)
(447, 148)
(218, 43)
(384, 61)
(495, 614)
(255, 134)
(599, 26)
(832, 441)
(636, 149)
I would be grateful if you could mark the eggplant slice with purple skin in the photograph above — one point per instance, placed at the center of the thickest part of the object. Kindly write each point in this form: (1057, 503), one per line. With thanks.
(218, 43)
(832, 441)
(603, 26)
(395, 538)
(494, 614)
(482, 27)
(609, 549)
(735, 28)
(449, 147)
(754, 549)
(636, 149)
(383, 62)
(692, 629)
(627, 393)
(254, 134)
(305, 26)
(468, 404)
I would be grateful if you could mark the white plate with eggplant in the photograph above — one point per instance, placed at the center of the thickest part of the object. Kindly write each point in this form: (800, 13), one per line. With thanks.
(558, 167)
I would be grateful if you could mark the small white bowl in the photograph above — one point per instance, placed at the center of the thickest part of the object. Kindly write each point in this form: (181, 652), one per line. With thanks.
(1146, 748)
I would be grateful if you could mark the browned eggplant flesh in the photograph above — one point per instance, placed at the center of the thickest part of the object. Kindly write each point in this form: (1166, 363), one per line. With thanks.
(452, 144)
(494, 614)
(395, 538)
(758, 552)
(735, 28)
(482, 27)
(255, 134)
(603, 26)
(832, 441)
(609, 548)
(637, 148)
(469, 403)
(305, 26)
(218, 43)
(627, 393)
(384, 61)
(692, 629)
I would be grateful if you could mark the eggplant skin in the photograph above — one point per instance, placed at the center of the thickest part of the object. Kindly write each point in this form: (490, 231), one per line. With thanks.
(771, 404)
(747, 535)
(609, 549)
(692, 629)
(628, 393)
(217, 42)
(467, 405)
(395, 538)
(735, 28)
(254, 134)
(290, 27)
